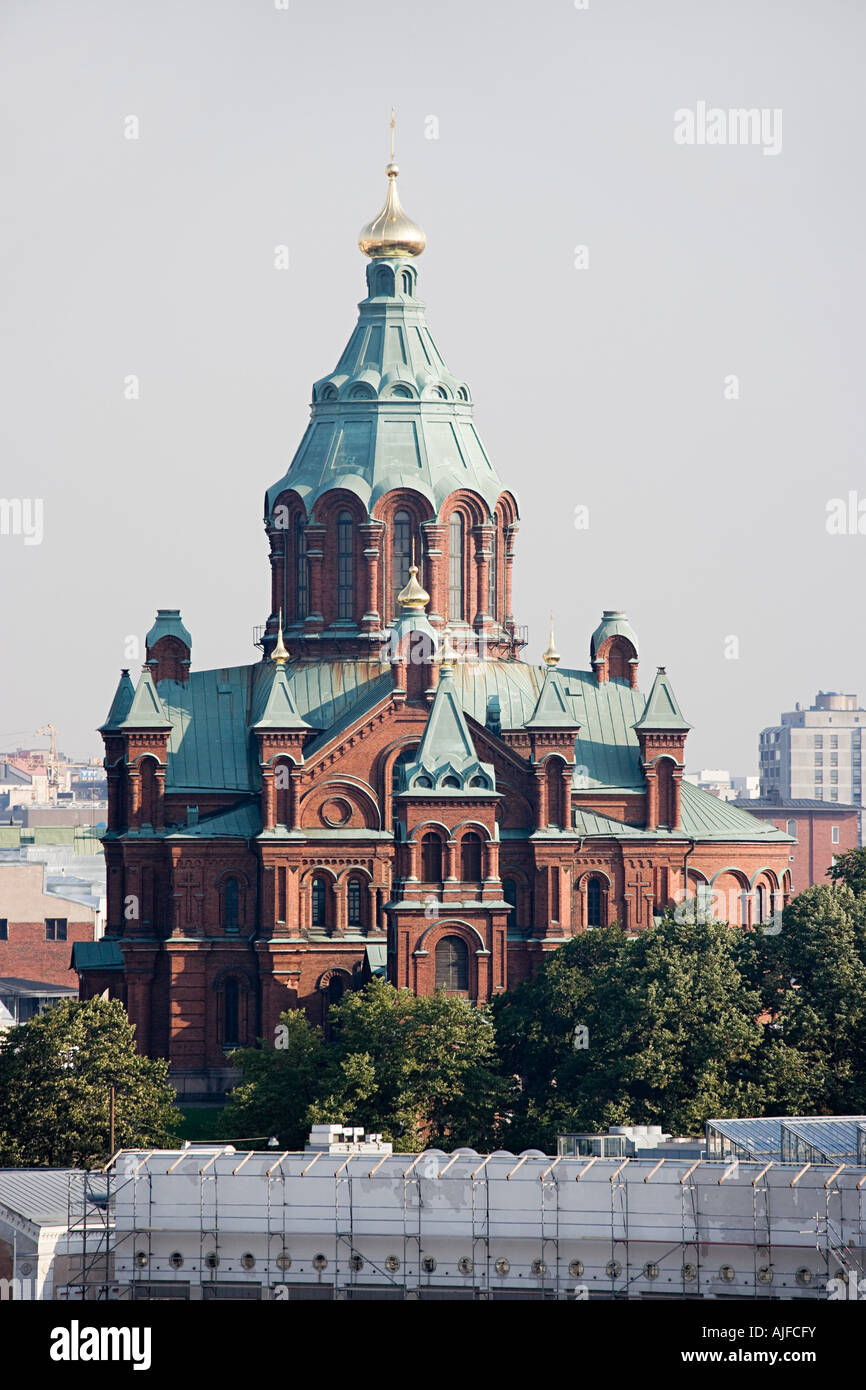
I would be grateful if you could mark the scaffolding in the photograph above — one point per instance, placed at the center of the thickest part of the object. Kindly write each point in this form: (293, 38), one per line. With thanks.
(355, 1225)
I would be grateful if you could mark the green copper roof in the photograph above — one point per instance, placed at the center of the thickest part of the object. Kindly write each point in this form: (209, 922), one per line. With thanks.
(168, 624)
(662, 710)
(210, 744)
(280, 711)
(704, 817)
(120, 705)
(97, 955)
(447, 760)
(552, 710)
(391, 414)
(146, 710)
(241, 822)
(613, 624)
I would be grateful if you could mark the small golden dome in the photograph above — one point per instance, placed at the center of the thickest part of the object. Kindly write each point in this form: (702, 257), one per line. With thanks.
(280, 654)
(391, 233)
(413, 596)
(551, 657)
(447, 654)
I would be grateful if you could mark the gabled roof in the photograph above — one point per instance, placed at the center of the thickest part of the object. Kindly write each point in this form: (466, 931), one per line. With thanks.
(280, 711)
(662, 710)
(120, 705)
(146, 711)
(447, 752)
(552, 708)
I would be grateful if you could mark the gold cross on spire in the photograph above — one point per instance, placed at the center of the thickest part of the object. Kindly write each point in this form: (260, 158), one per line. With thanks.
(393, 128)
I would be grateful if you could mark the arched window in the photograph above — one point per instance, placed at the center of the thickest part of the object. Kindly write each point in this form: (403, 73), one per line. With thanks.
(593, 902)
(455, 567)
(345, 557)
(353, 902)
(431, 858)
(231, 899)
(231, 1013)
(509, 893)
(491, 571)
(336, 989)
(401, 555)
(763, 903)
(320, 902)
(791, 828)
(302, 582)
(406, 281)
(470, 857)
(452, 965)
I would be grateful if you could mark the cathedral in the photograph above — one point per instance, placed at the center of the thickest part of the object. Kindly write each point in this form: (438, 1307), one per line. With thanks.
(390, 790)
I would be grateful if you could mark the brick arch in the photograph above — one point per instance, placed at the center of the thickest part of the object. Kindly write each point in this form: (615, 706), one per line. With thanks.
(581, 888)
(421, 830)
(465, 825)
(454, 926)
(326, 512)
(617, 658)
(349, 792)
(385, 509)
(282, 523)
(474, 513)
(382, 773)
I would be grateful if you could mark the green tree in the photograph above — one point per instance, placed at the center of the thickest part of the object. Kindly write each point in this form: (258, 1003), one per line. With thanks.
(420, 1071)
(812, 977)
(279, 1084)
(56, 1074)
(850, 869)
(672, 1033)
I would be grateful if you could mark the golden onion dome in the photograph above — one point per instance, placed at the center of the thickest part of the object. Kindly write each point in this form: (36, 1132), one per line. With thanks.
(413, 597)
(391, 233)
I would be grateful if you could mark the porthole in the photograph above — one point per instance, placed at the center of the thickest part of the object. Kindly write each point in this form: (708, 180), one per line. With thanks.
(728, 1274)
(575, 1269)
(284, 1260)
(356, 1264)
(650, 1270)
(803, 1276)
(428, 1264)
(212, 1259)
(248, 1261)
(465, 1265)
(320, 1262)
(502, 1266)
(176, 1260)
(765, 1275)
(613, 1269)
(539, 1267)
(690, 1274)
(392, 1264)
(141, 1258)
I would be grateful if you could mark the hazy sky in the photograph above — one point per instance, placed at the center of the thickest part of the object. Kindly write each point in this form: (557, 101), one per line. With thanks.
(602, 387)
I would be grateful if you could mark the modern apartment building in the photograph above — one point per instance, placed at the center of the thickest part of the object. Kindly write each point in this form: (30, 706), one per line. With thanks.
(817, 752)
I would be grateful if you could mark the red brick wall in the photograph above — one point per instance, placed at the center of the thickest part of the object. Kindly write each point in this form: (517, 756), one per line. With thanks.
(814, 851)
(29, 956)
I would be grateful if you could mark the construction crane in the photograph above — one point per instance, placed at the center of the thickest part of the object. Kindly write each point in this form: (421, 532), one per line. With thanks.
(53, 760)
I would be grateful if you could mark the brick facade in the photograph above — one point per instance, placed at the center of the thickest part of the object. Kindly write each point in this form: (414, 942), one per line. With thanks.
(24, 907)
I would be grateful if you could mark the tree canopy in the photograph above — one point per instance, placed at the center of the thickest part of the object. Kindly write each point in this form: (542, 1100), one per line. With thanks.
(418, 1070)
(56, 1074)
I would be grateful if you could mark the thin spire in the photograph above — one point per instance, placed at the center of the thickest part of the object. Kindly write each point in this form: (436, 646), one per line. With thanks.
(393, 129)
(280, 653)
(551, 657)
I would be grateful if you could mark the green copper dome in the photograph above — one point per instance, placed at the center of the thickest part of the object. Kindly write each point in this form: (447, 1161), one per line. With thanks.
(390, 414)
